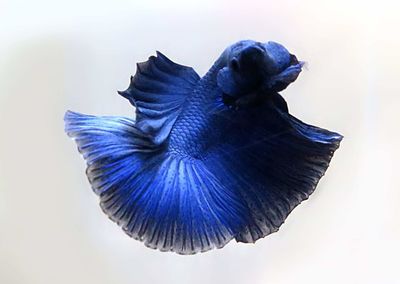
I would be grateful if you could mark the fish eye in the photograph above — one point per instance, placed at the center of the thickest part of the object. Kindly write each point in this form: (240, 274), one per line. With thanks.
(234, 64)
(293, 60)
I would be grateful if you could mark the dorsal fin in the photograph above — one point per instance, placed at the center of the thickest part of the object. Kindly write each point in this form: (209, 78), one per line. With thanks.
(158, 91)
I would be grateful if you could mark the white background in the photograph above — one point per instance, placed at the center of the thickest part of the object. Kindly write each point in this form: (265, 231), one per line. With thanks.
(59, 55)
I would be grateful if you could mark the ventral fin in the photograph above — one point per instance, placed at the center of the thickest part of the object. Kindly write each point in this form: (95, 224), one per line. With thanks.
(158, 91)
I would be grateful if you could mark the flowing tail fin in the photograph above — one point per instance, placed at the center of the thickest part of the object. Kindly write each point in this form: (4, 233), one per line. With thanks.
(168, 202)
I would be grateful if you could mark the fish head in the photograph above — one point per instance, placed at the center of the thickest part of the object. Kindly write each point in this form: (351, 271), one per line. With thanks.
(249, 66)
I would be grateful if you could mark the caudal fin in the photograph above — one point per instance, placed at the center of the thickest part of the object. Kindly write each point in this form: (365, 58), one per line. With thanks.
(169, 203)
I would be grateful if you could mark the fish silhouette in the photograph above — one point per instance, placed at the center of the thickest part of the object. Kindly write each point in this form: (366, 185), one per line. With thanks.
(206, 160)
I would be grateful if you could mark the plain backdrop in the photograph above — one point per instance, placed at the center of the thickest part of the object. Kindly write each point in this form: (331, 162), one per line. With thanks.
(75, 54)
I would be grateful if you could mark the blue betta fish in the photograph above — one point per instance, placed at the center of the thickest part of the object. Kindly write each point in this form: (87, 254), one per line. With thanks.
(207, 160)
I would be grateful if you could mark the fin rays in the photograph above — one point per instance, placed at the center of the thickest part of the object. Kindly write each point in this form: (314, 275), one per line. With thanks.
(243, 189)
(158, 90)
(168, 202)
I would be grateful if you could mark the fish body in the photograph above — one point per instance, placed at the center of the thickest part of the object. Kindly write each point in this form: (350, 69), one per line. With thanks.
(207, 160)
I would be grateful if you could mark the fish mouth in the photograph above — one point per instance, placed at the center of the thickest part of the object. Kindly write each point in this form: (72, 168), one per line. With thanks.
(294, 62)
(282, 80)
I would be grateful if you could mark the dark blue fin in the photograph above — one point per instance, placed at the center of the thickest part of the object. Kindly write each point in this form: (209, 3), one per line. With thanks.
(272, 160)
(169, 203)
(158, 90)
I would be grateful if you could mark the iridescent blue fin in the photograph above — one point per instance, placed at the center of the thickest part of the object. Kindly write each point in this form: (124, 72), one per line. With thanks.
(158, 90)
(272, 160)
(168, 202)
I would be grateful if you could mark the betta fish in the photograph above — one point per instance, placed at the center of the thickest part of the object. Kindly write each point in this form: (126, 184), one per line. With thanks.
(206, 160)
